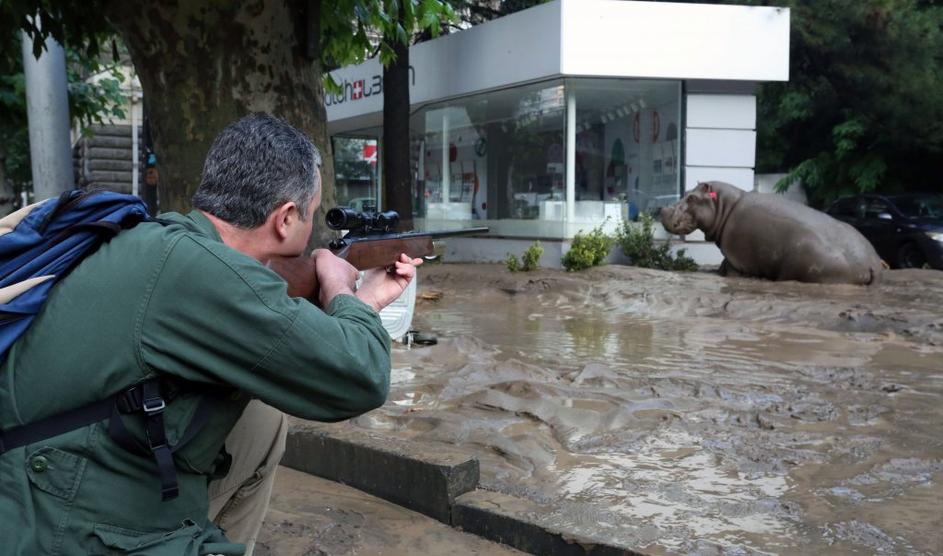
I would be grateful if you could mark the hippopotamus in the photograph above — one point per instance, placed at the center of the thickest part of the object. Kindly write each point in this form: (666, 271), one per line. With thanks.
(768, 236)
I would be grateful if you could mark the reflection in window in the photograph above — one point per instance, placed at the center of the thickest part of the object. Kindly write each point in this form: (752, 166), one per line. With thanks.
(501, 156)
(355, 170)
(493, 156)
(627, 146)
(876, 207)
(922, 206)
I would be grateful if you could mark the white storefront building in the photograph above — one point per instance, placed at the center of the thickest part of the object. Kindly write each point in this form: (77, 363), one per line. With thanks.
(565, 116)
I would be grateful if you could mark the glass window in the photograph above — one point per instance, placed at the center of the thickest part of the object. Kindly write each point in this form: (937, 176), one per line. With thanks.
(495, 157)
(922, 206)
(499, 159)
(848, 207)
(628, 147)
(355, 170)
(876, 207)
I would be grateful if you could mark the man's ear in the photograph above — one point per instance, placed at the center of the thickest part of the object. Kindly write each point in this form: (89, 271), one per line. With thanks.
(284, 217)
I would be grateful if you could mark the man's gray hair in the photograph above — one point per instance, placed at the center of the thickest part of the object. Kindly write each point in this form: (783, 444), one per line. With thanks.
(255, 165)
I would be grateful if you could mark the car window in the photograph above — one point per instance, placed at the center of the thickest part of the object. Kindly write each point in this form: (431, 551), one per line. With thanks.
(923, 206)
(845, 207)
(876, 207)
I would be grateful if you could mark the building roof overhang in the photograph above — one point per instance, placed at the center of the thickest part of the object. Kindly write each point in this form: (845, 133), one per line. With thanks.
(578, 38)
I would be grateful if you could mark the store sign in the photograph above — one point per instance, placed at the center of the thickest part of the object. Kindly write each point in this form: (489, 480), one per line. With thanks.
(362, 88)
(369, 154)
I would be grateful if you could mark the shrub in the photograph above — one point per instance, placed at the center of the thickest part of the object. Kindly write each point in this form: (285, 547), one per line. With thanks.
(512, 263)
(587, 250)
(530, 260)
(638, 244)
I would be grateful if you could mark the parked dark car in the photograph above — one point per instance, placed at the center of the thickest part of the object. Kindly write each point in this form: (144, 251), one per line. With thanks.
(906, 230)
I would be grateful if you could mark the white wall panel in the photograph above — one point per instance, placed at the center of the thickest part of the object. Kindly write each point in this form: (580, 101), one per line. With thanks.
(602, 38)
(517, 48)
(721, 111)
(740, 177)
(720, 147)
(672, 40)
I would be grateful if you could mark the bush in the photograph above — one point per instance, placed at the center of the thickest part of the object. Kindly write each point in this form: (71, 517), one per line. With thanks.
(512, 263)
(638, 244)
(530, 260)
(588, 250)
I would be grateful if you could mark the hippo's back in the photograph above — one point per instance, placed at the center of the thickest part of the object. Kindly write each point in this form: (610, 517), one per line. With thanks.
(836, 241)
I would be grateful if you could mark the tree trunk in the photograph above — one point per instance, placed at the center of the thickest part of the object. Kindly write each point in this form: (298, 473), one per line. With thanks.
(7, 194)
(203, 65)
(397, 179)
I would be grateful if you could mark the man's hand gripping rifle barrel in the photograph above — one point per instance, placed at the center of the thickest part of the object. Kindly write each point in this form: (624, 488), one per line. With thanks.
(370, 242)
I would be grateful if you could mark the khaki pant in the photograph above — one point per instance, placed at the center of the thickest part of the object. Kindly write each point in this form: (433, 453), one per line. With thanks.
(239, 500)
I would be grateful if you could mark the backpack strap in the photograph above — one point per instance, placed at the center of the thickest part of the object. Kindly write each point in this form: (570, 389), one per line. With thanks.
(149, 398)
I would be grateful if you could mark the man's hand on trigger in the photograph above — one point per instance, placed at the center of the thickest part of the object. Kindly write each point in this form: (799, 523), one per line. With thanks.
(335, 276)
(380, 287)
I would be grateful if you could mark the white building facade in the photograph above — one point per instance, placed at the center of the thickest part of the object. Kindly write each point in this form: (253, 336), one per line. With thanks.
(567, 116)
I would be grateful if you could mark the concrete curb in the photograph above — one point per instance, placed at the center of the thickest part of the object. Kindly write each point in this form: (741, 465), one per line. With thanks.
(441, 484)
(382, 467)
(518, 522)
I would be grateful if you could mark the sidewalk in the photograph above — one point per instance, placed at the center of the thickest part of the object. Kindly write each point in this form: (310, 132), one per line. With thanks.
(313, 516)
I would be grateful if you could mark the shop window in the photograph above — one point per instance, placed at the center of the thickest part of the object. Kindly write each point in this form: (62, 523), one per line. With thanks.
(627, 146)
(498, 156)
(356, 171)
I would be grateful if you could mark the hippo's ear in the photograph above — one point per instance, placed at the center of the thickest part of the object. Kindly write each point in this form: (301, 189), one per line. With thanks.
(710, 191)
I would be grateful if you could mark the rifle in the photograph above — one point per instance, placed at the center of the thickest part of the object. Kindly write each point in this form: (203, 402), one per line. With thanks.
(371, 242)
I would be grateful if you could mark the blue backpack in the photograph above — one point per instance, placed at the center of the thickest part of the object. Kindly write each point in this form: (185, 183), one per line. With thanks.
(39, 245)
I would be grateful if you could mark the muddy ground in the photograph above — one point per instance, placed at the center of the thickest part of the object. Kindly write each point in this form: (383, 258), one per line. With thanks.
(688, 413)
(309, 516)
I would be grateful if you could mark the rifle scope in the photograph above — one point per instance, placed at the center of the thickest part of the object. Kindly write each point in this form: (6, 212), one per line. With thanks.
(343, 218)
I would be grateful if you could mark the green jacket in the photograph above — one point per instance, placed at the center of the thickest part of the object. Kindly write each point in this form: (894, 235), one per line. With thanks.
(166, 299)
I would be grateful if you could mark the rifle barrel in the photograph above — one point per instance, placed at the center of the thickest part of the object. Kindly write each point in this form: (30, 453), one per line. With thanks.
(410, 235)
(463, 231)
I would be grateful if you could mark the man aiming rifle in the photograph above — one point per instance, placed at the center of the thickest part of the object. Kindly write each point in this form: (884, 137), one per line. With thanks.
(188, 328)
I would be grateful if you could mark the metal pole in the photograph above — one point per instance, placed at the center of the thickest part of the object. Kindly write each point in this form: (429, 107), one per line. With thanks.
(135, 158)
(47, 110)
(446, 164)
(570, 154)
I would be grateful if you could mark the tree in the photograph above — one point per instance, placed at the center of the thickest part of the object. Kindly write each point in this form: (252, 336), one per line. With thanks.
(204, 64)
(396, 24)
(201, 65)
(89, 102)
(862, 110)
(474, 12)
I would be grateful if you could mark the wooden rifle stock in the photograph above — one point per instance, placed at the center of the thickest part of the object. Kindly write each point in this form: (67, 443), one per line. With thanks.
(363, 252)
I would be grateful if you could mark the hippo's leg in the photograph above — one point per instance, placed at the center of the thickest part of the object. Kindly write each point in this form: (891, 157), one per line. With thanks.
(726, 269)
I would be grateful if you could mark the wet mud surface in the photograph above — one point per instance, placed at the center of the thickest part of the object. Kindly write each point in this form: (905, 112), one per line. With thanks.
(688, 413)
(309, 516)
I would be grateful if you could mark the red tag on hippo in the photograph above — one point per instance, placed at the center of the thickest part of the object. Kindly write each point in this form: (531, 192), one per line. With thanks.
(713, 194)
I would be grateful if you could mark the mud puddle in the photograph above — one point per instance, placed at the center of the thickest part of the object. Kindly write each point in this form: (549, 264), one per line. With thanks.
(688, 413)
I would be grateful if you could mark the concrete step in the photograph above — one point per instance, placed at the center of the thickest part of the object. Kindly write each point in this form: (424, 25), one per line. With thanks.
(309, 515)
(441, 483)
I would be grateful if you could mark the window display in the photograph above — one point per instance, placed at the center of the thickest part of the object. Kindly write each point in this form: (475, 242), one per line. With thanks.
(356, 170)
(627, 146)
(498, 156)
(501, 157)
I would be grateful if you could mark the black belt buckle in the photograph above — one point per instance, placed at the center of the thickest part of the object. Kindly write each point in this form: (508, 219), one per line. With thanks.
(153, 406)
(129, 400)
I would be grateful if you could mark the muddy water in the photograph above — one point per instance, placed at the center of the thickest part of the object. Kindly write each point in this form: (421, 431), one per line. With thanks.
(689, 414)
